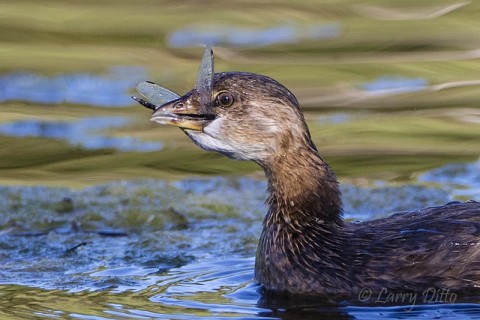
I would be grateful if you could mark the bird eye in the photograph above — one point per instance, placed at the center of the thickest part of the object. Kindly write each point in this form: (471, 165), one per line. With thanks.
(225, 99)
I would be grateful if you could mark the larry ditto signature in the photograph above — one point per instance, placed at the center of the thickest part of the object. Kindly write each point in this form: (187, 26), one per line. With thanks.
(410, 298)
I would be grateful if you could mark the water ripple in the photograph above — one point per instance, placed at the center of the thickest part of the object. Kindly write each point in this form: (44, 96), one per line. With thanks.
(108, 90)
(87, 132)
(250, 37)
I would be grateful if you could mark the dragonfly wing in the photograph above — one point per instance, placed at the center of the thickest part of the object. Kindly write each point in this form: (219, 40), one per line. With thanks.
(204, 81)
(156, 94)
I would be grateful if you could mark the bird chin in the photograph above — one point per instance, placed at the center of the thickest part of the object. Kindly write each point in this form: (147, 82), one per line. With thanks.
(209, 143)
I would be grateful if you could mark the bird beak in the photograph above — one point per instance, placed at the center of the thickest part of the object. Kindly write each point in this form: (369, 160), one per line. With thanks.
(192, 111)
(185, 113)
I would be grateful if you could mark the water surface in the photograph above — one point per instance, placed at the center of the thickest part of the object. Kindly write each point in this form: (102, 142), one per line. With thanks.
(88, 133)
(153, 249)
(109, 90)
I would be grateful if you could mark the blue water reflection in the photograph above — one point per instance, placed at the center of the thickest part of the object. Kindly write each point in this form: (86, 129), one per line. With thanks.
(87, 132)
(110, 89)
(242, 37)
(392, 85)
(462, 181)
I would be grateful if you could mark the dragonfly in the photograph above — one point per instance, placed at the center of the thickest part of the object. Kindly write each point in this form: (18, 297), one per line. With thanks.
(155, 96)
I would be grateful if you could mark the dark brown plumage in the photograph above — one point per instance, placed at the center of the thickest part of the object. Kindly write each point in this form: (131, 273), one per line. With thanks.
(305, 246)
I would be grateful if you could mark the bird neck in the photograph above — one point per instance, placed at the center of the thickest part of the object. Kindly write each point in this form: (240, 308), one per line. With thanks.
(302, 244)
(302, 188)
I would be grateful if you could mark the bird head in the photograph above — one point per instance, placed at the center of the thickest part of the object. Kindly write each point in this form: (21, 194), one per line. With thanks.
(242, 115)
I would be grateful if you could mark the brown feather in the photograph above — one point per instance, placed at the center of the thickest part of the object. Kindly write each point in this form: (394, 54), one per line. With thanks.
(305, 246)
